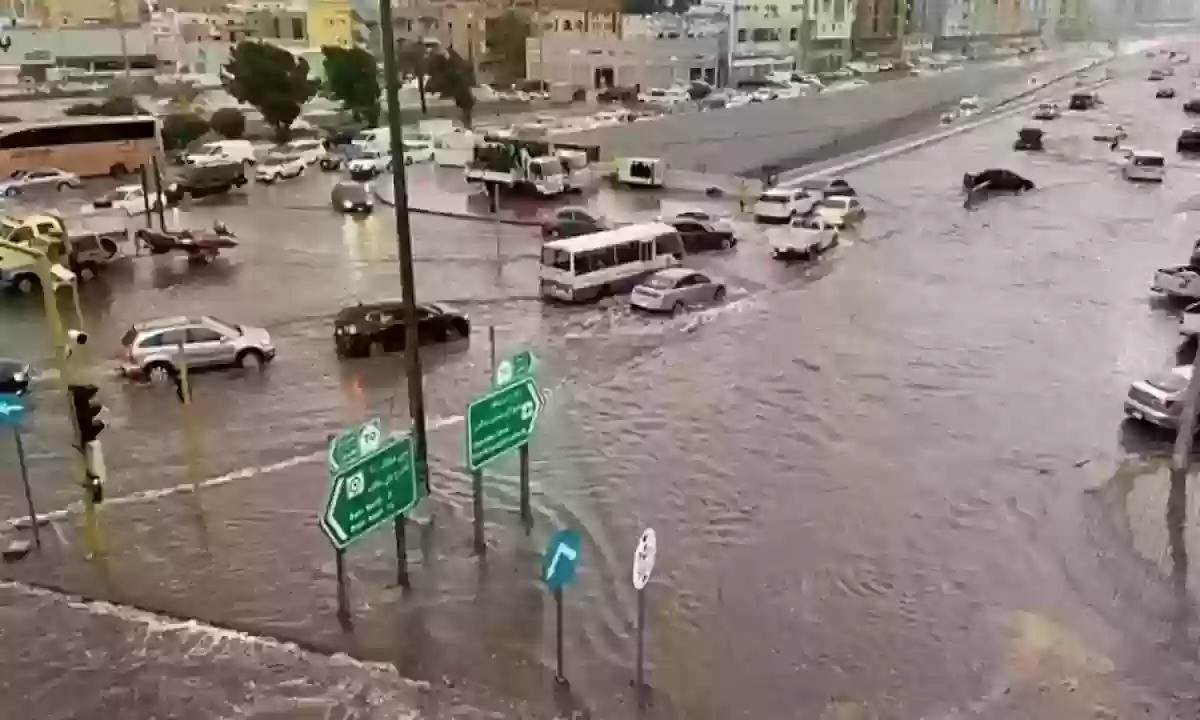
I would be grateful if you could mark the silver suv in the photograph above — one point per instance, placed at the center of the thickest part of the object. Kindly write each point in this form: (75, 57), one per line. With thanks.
(152, 348)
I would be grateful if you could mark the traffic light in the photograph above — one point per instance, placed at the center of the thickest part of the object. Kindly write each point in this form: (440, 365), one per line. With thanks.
(87, 410)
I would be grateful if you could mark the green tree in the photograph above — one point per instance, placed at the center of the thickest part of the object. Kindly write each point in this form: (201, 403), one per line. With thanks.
(505, 37)
(351, 78)
(413, 60)
(453, 77)
(181, 130)
(229, 122)
(271, 79)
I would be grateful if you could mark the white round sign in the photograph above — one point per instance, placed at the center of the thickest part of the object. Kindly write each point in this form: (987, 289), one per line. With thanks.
(369, 440)
(504, 373)
(643, 559)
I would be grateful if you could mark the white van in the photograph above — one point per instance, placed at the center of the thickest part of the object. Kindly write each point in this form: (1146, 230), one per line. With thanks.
(1144, 165)
(378, 139)
(222, 151)
(589, 267)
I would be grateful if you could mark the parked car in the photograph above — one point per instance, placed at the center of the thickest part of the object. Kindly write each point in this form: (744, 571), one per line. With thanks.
(780, 204)
(358, 328)
(674, 289)
(130, 199)
(569, 222)
(277, 166)
(1164, 92)
(152, 348)
(1159, 399)
(14, 377)
(702, 235)
(352, 197)
(23, 180)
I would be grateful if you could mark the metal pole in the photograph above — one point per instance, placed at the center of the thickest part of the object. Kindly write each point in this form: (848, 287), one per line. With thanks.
(1182, 457)
(119, 16)
(412, 358)
(526, 510)
(33, 521)
(477, 500)
(146, 197)
(159, 202)
(401, 527)
(641, 637)
(343, 599)
(492, 351)
(537, 13)
(190, 445)
(558, 635)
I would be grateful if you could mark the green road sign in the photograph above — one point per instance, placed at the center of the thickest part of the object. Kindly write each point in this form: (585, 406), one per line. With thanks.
(377, 489)
(514, 367)
(353, 445)
(501, 421)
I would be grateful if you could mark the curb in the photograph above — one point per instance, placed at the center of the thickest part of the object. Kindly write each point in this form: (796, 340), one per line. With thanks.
(904, 148)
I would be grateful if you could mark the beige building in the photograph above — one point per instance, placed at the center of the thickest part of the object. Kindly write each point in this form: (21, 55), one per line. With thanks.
(211, 7)
(266, 22)
(579, 23)
(71, 13)
(598, 63)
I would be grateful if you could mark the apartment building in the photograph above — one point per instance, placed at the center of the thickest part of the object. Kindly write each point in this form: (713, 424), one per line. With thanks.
(877, 26)
(280, 22)
(74, 13)
(830, 31)
(570, 23)
(331, 22)
(602, 62)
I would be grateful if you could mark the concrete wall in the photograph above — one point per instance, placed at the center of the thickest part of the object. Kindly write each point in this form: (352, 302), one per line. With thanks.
(742, 140)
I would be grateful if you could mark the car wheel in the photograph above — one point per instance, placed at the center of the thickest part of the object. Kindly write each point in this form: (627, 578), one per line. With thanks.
(11, 191)
(160, 371)
(64, 186)
(27, 284)
(719, 293)
(118, 170)
(251, 359)
(678, 308)
(726, 243)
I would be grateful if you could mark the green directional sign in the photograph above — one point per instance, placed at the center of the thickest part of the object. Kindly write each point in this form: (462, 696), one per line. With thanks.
(353, 445)
(515, 367)
(372, 492)
(501, 421)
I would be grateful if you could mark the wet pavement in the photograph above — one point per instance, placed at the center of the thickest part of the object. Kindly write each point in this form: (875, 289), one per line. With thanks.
(895, 483)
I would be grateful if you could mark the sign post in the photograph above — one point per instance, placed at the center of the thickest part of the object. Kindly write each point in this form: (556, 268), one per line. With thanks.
(497, 423)
(12, 414)
(559, 565)
(643, 567)
(515, 367)
(376, 487)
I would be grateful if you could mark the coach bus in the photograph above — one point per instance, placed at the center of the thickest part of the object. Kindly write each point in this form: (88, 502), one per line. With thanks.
(86, 146)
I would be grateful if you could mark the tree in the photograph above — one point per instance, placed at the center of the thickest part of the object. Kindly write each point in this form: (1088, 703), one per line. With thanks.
(351, 78)
(229, 122)
(505, 38)
(271, 79)
(179, 131)
(453, 77)
(412, 60)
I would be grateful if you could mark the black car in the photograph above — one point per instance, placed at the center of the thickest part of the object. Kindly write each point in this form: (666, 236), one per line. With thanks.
(14, 377)
(358, 328)
(1083, 101)
(1165, 93)
(699, 235)
(1192, 106)
(1189, 141)
(571, 222)
(1029, 139)
(352, 197)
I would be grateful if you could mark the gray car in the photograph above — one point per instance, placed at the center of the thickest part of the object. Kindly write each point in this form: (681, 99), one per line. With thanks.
(1159, 399)
(674, 289)
(22, 180)
(152, 348)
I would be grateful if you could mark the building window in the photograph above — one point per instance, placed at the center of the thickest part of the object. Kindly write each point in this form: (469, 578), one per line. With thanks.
(742, 35)
(839, 11)
(794, 34)
(566, 25)
(275, 25)
(298, 28)
(875, 25)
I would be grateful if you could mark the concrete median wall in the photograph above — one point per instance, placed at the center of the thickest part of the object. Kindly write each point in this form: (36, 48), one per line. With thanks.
(743, 140)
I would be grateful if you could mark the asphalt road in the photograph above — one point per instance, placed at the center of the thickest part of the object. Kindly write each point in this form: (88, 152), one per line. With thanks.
(895, 483)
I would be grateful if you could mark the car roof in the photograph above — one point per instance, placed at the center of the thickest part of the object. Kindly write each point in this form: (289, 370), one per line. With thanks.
(164, 323)
(128, 187)
(624, 234)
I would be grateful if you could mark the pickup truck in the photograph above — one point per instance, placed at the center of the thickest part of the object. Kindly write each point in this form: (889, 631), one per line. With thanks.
(95, 242)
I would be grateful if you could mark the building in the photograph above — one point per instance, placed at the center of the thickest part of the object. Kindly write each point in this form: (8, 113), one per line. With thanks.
(279, 22)
(89, 48)
(827, 44)
(578, 23)
(73, 13)
(766, 37)
(208, 7)
(646, 62)
(331, 22)
(876, 27)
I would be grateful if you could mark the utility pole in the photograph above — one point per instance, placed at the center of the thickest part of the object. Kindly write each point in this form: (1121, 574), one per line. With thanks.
(119, 16)
(412, 357)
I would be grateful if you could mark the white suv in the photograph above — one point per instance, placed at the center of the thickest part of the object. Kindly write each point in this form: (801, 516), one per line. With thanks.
(152, 349)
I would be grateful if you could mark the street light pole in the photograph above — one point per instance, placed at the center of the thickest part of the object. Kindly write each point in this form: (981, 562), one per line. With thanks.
(119, 16)
(412, 357)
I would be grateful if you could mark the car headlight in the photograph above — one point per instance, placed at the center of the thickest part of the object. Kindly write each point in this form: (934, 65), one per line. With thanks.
(351, 329)
(346, 204)
(19, 376)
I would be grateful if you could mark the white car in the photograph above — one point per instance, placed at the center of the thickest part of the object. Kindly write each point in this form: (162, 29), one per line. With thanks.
(311, 150)
(847, 85)
(781, 204)
(417, 151)
(804, 239)
(22, 180)
(840, 211)
(128, 198)
(370, 162)
(277, 166)
(222, 151)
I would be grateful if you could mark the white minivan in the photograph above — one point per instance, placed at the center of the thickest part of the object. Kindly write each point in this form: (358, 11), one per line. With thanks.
(222, 151)
(1144, 165)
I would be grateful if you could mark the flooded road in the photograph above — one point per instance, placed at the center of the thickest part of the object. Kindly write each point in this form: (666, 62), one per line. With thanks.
(892, 484)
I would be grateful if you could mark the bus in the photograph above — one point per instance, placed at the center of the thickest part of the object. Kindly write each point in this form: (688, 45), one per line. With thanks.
(86, 146)
(593, 266)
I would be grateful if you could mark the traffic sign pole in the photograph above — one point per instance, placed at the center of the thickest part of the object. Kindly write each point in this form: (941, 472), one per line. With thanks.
(477, 503)
(641, 643)
(559, 565)
(558, 634)
(526, 510)
(643, 566)
(343, 593)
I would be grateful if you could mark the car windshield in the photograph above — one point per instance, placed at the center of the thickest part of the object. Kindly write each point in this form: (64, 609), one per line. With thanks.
(1168, 381)
(768, 198)
(416, 146)
(560, 259)
(213, 149)
(660, 282)
(1148, 161)
(352, 191)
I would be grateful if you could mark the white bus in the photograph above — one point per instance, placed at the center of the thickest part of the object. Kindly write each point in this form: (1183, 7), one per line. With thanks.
(86, 146)
(589, 267)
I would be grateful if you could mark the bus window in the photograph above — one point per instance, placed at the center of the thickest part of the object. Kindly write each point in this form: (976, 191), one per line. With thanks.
(668, 244)
(557, 259)
(629, 252)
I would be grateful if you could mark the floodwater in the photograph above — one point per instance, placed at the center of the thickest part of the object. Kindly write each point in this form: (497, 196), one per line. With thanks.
(895, 483)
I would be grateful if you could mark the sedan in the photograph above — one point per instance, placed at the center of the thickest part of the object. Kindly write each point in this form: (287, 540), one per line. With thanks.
(1159, 399)
(14, 377)
(840, 212)
(23, 180)
(699, 235)
(129, 198)
(674, 289)
(277, 166)
(571, 222)
(1046, 111)
(1166, 92)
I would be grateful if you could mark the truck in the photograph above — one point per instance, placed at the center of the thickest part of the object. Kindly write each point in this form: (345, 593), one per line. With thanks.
(199, 181)
(538, 166)
(87, 246)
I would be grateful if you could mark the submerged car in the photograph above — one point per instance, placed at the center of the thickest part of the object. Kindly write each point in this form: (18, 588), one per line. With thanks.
(674, 289)
(1047, 111)
(1159, 399)
(1110, 133)
(1188, 141)
(131, 199)
(781, 204)
(1166, 92)
(568, 222)
(1083, 101)
(1192, 106)
(839, 212)
(358, 328)
(1029, 139)
(352, 197)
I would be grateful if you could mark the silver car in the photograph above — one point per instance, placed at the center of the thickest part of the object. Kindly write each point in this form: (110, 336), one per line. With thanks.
(152, 349)
(22, 180)
(1159, 399)
(674, 289)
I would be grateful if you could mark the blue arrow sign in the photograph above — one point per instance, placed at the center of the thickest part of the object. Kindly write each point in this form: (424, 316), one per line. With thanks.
(12, 410)
(561, 559)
